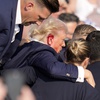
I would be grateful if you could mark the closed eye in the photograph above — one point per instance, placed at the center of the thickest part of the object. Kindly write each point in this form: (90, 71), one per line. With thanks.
(41, 19)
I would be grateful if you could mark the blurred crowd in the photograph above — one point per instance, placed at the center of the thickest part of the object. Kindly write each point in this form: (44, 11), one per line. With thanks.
(88, 11)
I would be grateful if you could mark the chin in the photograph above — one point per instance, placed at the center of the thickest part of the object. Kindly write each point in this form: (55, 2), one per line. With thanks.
(58, 51)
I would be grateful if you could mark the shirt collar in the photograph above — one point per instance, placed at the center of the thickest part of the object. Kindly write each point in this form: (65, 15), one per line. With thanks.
(37, 40)
(18, 14)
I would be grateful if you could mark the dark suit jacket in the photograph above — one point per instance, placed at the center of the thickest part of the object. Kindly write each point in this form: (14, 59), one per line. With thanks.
(46, 88)
(7, 25)
(27, 71)
(61, 55)
(43, 57)
(95, 69)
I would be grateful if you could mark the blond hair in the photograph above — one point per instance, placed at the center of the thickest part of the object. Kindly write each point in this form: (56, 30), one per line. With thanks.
(77, 51)
(49, 26)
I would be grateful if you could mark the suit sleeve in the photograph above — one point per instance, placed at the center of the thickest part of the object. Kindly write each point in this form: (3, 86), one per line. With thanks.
(48, 63)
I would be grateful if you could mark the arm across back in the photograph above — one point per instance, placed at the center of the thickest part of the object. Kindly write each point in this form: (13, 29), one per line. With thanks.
(48, 63)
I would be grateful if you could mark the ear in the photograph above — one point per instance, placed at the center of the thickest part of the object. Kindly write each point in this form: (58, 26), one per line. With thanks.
(29, 6)
(85, 62)
(50, 38)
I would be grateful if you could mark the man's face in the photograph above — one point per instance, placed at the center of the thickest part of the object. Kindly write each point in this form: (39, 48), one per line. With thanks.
(59, 41)
(71, 27)
(34, 14)
(62, 9)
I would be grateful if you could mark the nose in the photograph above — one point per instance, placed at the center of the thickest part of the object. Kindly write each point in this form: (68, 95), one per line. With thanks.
(63, 44)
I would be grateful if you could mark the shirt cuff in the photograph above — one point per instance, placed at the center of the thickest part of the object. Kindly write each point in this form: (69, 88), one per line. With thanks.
(80, 74)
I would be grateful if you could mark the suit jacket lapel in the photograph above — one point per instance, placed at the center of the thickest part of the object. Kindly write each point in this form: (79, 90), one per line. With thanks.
(13, 46)
(11, 50)
(13, 16)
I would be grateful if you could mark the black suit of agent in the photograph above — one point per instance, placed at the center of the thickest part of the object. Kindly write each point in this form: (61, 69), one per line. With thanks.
(47, 88)
(95, 69)
(7, 25)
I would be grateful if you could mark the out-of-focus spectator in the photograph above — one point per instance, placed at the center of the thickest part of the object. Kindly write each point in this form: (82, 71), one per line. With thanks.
(71, 6)
(82, 31)
(79, 7)
(71, 21)
(26, 94)
(62, 9)
(3, 90)
(94, 17)
(14, 87)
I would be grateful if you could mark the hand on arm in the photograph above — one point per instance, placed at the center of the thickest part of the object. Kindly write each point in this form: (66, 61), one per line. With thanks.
(84, 73)
(89, 77)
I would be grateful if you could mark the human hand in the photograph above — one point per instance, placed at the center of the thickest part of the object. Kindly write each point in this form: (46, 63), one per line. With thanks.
(89, 77)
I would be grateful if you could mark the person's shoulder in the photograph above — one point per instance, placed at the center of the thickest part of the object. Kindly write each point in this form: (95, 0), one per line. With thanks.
(86, 91)
(94, 65)
(91, 92)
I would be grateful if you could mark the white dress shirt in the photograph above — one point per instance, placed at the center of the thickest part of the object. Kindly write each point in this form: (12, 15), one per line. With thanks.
(17, 21)
(80, 74)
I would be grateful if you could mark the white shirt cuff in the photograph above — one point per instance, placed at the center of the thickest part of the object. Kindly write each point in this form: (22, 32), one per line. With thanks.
(80, 74)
